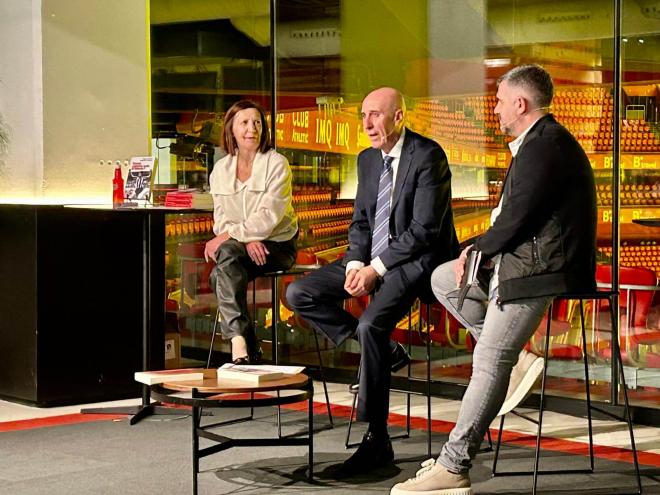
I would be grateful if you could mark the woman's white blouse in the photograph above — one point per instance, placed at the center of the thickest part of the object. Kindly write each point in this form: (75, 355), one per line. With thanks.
(259, 209)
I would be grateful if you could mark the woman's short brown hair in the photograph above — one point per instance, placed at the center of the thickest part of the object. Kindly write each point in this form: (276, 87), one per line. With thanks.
(228, 142)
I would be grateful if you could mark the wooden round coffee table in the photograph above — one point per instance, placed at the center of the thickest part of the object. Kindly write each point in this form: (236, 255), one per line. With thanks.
(210, 392)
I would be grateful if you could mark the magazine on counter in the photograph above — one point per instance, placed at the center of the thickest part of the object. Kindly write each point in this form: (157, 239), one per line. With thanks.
(138, 180)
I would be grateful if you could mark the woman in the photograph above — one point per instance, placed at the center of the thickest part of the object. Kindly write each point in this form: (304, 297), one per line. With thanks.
(254, 223)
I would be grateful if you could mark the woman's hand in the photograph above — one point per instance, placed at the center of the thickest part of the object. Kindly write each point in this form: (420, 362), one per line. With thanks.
(257, 252)
(213, 245)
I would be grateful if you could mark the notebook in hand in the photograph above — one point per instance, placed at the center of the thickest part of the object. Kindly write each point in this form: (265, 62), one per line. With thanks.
(469, 278)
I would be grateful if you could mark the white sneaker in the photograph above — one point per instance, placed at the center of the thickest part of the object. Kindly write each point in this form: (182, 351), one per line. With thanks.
(524, 376)
(434, 479)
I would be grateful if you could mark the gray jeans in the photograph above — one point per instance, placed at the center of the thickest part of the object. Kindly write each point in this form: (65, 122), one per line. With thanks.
(501, 333)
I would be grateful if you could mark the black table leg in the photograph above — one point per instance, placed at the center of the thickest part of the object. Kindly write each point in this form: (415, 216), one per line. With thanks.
(146, 408)
(213, 398)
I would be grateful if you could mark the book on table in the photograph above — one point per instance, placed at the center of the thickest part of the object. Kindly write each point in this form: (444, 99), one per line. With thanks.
(256, 374)
(181, 375)
(189, 198)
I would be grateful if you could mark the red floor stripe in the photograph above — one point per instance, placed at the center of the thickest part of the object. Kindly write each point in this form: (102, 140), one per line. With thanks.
(508, 437)
(65, 419)
(438, 426)
(76, 418)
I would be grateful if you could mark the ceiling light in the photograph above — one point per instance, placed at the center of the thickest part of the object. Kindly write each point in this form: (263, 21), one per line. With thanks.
(497, 62)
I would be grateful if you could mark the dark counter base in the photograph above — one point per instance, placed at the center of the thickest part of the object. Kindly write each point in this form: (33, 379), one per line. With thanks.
(71, 304)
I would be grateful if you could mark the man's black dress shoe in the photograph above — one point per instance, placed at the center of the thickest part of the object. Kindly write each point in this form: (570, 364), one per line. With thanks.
(372, 453)
(400, 358)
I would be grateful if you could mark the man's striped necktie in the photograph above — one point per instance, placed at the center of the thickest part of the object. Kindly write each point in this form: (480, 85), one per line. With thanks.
(381, 233)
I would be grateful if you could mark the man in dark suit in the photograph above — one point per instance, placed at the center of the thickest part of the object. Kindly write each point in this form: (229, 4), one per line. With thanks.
(402, 229)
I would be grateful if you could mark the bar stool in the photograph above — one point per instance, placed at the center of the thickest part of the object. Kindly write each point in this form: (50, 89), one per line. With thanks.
(274, 277)
(618, 367)
(426, 301)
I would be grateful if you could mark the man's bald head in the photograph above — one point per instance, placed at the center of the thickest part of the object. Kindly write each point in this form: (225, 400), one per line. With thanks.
(390, 98)
(383, 112)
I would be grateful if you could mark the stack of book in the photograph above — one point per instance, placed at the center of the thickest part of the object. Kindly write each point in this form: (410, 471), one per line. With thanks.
(256, 374)
(180, 375)
(189, 198)
(253, 374)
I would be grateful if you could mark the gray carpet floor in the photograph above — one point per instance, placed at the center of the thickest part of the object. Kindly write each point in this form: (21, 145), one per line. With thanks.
(154, 457)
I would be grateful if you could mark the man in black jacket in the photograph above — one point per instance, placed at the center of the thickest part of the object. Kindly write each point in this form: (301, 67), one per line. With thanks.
(402, 229)
(541, 243)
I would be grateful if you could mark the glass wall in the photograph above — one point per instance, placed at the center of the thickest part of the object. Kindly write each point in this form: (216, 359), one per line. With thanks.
(205, 56)
(639, 190)
(445, 56)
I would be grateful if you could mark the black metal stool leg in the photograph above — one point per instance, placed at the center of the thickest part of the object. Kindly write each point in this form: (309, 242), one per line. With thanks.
(587, 387)
(325, 384)
(409, 372)
(537, 454)
(497, 445)
(254, 304)
(428, 379)
(616, 350)
(347, 443)
(310, 432)
(275, 312)
(254, 321)
(215, 330)
(490, 441)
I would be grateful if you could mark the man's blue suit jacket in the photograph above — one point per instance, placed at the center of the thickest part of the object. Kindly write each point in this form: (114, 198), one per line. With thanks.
(421, 222)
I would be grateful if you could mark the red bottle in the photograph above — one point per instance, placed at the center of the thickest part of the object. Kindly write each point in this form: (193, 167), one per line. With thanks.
(117, 187)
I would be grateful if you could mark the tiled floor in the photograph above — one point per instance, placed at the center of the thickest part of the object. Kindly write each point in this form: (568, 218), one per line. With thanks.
(560, 426)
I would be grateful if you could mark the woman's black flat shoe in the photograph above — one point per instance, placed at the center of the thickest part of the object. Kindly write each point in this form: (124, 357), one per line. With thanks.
(252, 358)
